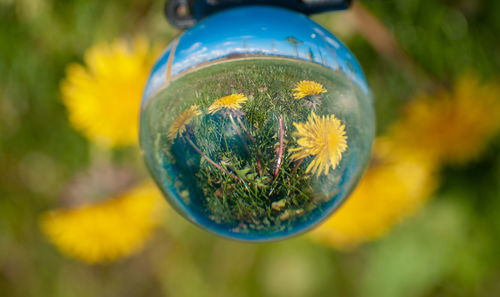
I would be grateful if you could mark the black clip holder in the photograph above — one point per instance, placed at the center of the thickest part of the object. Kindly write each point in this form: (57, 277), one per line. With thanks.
(186, 13)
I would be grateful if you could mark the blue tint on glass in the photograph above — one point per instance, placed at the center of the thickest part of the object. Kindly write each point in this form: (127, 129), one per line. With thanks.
(235, 32)
(158, 76)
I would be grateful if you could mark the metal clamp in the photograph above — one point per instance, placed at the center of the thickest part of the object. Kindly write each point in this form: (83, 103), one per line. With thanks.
(186, 13)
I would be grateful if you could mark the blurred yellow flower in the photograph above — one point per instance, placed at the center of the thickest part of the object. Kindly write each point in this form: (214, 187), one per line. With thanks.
(397, 182)
(106, 231)
(454, 126)
(179, 125)
(321, 137)
(103, 96)
(232, 101)
(306, 88)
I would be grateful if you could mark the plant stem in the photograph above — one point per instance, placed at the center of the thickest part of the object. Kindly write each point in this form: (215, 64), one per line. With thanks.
(280, 148)
(297, 166)
(246, 131)
(208, 158)
(239, 133)
(259, 153)
(259, 166)
(380, 37)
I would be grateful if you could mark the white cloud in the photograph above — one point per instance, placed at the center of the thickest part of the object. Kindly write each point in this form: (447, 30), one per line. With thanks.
(191, 48)
(201, 56)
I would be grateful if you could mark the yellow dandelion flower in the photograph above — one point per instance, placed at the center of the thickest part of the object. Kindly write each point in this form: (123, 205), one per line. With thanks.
(396, 184)
(454, 126)
(108, 230)
(179, 125)
(306, 88)
(103, 96)
(322, 137)
(232, 101)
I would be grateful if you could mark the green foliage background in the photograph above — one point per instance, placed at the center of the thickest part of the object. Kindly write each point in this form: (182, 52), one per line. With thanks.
(450, 248)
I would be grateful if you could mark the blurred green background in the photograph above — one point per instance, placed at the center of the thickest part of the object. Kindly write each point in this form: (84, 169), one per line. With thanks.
(449, 248)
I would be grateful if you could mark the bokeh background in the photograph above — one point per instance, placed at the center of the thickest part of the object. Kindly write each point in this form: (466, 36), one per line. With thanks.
(429, 227)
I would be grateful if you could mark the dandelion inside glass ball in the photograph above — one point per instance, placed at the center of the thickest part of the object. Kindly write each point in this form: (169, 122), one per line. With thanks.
(256, 123)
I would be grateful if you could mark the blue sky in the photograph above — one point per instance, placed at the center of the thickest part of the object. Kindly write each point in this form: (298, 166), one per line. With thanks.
(158, 75)
(259, 30)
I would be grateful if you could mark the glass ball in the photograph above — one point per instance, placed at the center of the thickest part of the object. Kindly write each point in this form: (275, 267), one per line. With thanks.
(257, 123)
